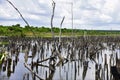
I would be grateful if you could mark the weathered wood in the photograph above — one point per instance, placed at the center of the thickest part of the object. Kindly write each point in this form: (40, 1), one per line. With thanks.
(32, 72)
(21, 15)
(53, 10)
(60, 29)
(45, 60)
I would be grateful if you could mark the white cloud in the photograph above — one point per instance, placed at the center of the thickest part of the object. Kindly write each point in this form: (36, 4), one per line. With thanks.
(110, 6)
(105, 18)
(89, 13)
(6, 11)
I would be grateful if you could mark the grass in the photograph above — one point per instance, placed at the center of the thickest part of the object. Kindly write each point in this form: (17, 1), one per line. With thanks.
(17, 30)
(4, 43)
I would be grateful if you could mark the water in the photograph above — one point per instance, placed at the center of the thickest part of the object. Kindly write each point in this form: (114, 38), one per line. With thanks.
(78, 60)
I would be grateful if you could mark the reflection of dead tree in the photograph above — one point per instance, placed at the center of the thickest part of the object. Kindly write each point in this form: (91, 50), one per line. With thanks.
(51, 68)
(85, 68)
(26, 75)
(53, 5)
(52, 64)
(21, 16)
(32, 71)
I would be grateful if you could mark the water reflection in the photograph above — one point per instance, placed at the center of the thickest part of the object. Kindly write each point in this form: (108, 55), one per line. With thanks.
(84, 58)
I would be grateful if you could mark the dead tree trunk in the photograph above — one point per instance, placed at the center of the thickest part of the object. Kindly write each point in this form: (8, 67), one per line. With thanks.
(53, 10)
(72, 19)
(21, 16)
(60, 29)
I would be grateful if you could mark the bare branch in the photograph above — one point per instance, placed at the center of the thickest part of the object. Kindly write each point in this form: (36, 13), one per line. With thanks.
(62, 21)
(32, 71)
(21, 16)
(60, 28)
(72, 19)
(53, 5)
(18, 12)
(45, 60)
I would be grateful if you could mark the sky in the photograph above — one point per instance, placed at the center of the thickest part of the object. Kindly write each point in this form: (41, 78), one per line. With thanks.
(87, 14)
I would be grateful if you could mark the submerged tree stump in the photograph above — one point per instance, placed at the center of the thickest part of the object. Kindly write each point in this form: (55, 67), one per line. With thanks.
(115, 70)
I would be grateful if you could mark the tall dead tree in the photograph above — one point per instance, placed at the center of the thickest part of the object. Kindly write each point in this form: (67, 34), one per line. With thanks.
(53, 10)
(60, 29)
(72, 18)
(20, 15)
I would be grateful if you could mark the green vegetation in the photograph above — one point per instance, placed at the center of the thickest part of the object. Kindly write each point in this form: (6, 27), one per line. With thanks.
(17, 30)
(4, 43)
(2, 56)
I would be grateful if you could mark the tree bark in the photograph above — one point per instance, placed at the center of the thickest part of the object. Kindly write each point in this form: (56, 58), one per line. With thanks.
(53, 10)
(60, 29)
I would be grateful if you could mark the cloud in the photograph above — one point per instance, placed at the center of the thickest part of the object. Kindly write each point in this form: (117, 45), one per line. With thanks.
(95, 14)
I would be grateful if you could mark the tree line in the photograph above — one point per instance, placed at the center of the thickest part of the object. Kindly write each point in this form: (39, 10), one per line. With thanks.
(17, 30)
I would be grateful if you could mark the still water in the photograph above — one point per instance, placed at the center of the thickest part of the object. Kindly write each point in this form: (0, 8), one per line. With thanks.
(51, 60)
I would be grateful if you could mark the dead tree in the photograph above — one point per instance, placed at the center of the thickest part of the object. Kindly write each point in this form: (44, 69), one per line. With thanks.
(20, 15)
(53, 10)
(60, 29)
(33, 72)
(72, 18)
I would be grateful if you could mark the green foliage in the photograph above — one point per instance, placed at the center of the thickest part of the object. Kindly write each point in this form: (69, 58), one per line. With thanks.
(17, 30)
(2, 56)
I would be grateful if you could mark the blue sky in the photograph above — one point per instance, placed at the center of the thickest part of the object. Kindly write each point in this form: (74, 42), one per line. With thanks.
(87, 14)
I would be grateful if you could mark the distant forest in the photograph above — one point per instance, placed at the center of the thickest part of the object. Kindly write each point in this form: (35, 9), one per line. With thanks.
(26, 31)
